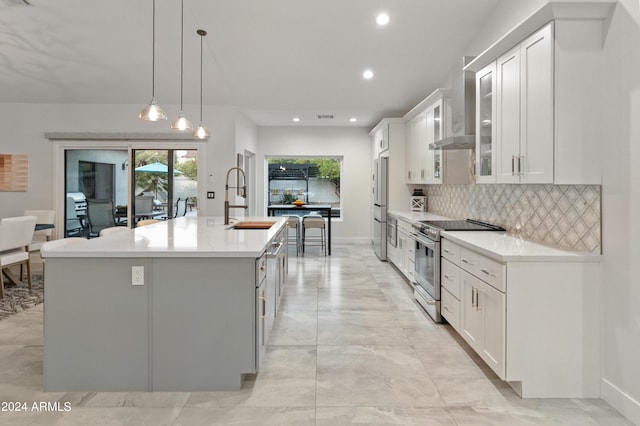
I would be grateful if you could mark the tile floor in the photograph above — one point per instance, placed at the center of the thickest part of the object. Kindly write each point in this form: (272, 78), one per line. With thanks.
(350, 347)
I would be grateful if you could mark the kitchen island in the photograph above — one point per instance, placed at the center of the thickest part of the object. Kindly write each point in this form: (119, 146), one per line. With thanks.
(174, 306)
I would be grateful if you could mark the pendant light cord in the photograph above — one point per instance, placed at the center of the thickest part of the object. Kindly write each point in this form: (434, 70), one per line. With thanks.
(153, 53)
(181, 51)
(201, 37)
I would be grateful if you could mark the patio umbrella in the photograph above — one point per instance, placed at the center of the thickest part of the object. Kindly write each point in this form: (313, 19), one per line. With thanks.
(157, 169)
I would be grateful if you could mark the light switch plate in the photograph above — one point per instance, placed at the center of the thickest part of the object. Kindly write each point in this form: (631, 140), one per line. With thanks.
(211, 195)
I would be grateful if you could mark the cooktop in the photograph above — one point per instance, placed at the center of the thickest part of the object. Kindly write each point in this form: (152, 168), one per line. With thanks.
(432, 228)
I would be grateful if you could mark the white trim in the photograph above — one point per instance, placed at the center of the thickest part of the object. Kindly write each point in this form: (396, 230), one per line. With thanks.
(61, 145)
(621, 401)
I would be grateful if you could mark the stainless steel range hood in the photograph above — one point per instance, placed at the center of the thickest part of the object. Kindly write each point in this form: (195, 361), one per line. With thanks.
(463, 110)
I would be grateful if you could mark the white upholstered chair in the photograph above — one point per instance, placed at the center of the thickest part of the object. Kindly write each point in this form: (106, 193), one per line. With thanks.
(15, 235)
(113, 230)
(146, 222)
(44, 235)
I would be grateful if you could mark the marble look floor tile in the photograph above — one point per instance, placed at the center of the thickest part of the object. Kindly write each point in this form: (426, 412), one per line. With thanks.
(287, 379)
(428, 335)
(137, 399)
(448, 361)
(470, 416)
(601, 412)
(373, 376)
(351, 281)
(299, 302)
(338, 299)
(102, 416)
(472, 392)
(294, 327)
(374, 328)
(227, 416)
(339, 416)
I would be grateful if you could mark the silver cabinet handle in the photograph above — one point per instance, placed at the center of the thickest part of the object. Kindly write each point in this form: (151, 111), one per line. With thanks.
(520, 161)
(473, 297)
(446, 308)
(446, 276)
(487, 272)
(448, 251)
(513, 165)
(466, 261)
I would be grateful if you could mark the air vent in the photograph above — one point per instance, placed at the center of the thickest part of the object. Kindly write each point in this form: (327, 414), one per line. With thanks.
(325, 116)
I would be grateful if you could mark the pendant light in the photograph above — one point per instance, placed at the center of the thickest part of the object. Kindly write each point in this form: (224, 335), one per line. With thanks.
(181, 123)
(201, 131)
(153, 112)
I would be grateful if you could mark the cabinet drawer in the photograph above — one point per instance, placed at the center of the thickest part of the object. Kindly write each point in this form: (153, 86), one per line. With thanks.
(451, 251)
(450, 275)
(489, 271)
(450, 309)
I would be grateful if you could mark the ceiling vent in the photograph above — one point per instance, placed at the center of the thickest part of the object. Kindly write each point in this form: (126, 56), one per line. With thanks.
(325, 116)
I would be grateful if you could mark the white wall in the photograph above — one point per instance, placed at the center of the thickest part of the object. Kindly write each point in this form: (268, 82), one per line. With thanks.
(621, 211)
(24, 126)
(353, 143)
(247, 142)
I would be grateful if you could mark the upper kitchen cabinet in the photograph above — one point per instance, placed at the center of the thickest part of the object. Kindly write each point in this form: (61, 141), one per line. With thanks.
(427, 123)
(380, 139)
(524, 111)
(537, 107)
(485, 130)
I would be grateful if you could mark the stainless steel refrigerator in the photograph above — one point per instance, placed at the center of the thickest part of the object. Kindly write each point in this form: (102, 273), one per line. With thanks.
(380, 188)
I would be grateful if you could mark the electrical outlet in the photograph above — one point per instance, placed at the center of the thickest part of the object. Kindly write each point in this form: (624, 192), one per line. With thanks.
(137, 275)
(211, 195)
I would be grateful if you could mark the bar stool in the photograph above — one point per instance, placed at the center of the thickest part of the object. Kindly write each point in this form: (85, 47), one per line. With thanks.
(293, 222)
(314, 222)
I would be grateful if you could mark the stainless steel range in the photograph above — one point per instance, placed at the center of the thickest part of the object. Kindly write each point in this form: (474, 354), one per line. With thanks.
(427, 272)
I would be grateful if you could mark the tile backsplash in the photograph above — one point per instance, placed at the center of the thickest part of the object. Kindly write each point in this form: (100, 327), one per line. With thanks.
(565, 216)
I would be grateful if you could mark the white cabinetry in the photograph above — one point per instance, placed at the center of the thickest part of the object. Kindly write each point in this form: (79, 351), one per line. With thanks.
(426, 123)
(403, 255)
(485, 128)
(524, 111)
(380, 139)
(508, 313)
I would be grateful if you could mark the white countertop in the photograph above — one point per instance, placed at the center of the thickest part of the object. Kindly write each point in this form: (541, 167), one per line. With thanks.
(502, 246)
(187, 236)
(505, 247)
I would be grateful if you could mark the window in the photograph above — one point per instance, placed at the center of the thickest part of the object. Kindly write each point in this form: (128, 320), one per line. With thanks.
(314, 180)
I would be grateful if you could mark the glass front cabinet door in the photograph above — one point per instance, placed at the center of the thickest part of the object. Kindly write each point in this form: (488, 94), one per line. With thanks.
(485, 130)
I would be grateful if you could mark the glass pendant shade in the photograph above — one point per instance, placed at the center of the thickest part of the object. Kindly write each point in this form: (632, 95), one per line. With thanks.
(152, 112)
(181, 123)
(201, 132)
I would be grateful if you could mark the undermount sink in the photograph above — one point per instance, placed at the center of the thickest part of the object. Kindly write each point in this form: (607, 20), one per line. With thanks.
(262, 224)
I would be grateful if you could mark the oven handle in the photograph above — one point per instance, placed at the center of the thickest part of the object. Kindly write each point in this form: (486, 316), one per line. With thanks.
(424, 240)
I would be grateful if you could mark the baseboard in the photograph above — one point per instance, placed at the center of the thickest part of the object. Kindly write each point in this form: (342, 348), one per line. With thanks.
(621, 401)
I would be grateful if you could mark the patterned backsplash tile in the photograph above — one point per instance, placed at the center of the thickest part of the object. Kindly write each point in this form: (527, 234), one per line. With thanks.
(566, 216)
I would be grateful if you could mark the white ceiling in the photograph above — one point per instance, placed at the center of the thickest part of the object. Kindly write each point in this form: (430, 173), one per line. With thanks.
(273, 58)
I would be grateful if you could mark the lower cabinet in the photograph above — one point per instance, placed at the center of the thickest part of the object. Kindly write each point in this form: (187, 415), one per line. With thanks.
(482, 321)
(404, 254)
(535, 322)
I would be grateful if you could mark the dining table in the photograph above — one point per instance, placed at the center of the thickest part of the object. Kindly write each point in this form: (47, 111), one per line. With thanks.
(287, 209)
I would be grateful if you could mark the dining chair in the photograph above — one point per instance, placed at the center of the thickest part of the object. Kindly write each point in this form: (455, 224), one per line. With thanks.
(15, 235)
(39, 237)
(112, 230)
(146, 222)
(100, 215)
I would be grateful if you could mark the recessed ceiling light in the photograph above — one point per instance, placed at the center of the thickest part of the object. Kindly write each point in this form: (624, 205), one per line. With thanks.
(353, 119)
(296, 119)
(368, 74)
(382, 19)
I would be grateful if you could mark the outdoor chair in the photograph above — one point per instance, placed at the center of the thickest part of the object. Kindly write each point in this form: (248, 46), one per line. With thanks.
(73, 225)
(100, 215)
(181, 207)
(15, 235)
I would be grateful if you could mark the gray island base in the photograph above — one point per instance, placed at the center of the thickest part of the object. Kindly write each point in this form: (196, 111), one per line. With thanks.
(192, 326)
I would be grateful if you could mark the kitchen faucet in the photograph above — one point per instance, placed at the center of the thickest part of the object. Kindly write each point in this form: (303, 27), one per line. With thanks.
(243, 193)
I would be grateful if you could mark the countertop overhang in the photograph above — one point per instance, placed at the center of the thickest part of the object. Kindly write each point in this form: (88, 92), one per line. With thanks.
(188, 236)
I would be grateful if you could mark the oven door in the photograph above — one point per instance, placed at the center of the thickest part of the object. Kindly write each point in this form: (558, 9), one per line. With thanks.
(427, 275)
